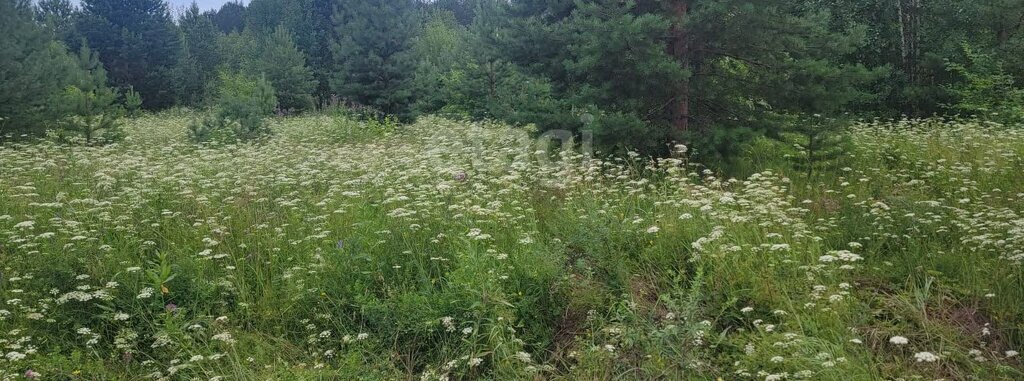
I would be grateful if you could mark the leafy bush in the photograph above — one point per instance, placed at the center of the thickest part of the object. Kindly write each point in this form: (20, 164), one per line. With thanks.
(242, 105)
(987, 90)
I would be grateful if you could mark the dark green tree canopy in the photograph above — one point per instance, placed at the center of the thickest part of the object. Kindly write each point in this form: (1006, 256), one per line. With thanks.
(201, 56)
(138, 44)
(644, 73)
(371, 52)
(230, 18)
(34, 68)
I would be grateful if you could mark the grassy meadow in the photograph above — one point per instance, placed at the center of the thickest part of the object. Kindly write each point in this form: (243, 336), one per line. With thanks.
(448, 250)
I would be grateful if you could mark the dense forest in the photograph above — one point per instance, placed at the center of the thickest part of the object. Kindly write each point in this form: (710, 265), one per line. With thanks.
(637, 74)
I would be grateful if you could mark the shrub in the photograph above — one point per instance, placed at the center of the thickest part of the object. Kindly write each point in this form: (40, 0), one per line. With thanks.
(618, 132)
(987, 90)
(242, 105)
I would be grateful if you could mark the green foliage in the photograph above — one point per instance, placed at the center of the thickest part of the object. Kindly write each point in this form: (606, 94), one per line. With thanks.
(819, 144)
(986, 90)
(139, 44)
(619, 132)
(237, 50)
(456, 74)
(198, 64)
(385, 252)
(712, 73)
(34, 68)
(309, 22)
(230, 18)
(243, 103)
(499, 90)
(88, 111)
(284, 66)
(276, 57)
(132, 102)
(58, 16)
(641, 64)
(371, 53)
(91, 116)
(441, 47)
(619, 62)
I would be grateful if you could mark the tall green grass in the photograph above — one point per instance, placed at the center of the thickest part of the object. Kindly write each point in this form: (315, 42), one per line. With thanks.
(341, 249)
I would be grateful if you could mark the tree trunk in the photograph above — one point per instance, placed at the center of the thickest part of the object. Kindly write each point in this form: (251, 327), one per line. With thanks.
(680, 49)
(910, 24)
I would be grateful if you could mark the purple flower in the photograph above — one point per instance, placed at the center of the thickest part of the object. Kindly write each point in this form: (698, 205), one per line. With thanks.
(171, 307)
(31, 374)
(461, 176)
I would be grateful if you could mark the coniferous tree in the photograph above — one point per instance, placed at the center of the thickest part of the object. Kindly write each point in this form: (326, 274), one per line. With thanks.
(284, 66)
(727, 70)
(620, 65)
(459, 70)
(371, 53)
(230, 18)
(87, 110)
(440, 50)
(138, 44)
(198, 67)
(462, 10)
(34, 68)
(309, 22)
(243, 103)
(59, 17)
(819, 143)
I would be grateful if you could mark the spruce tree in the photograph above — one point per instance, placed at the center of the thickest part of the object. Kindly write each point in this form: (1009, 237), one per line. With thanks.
(371, 53)
(138, 44)
(59, 17)
(198, 66)
(230, 18)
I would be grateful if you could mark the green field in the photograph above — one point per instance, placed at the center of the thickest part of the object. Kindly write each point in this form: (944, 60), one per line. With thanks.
(454, 250)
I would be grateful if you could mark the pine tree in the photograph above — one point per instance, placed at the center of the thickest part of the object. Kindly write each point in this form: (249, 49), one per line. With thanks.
(620, 65)
(198, 65)
(819, 143)
(138, 44)
(712, 70)
(284, 66)
(243, 103)
(371, 53)
(34, 68)
(309, 22)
